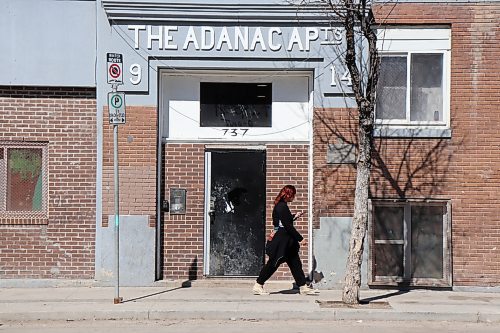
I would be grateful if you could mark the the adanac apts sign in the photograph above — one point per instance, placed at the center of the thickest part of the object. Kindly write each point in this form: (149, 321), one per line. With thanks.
(206, 38)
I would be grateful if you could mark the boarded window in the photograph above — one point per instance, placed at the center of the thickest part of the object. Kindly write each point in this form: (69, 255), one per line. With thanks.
(231, 104)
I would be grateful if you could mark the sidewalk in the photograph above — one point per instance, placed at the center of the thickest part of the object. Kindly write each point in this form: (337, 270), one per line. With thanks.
(235, 301)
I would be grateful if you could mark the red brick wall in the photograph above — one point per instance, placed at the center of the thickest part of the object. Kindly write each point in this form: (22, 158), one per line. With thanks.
(63, 246)
(137, 142)
(184, 168)
(465, 168)
(183, 234)
(474, 166)
(333, 193)
(288, 165)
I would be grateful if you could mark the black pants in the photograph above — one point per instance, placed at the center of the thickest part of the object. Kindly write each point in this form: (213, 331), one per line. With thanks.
(293, 262)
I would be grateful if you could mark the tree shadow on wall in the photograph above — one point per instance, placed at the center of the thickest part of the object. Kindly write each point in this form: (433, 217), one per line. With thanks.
(413, 166)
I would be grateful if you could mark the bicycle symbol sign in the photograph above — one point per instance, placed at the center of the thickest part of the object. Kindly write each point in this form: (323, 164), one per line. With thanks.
(116, 105)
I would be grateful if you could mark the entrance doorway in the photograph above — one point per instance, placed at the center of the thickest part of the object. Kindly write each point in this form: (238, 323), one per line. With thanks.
(235, 212)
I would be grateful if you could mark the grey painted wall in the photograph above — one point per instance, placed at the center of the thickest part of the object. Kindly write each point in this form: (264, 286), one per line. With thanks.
(330, 248)
(137, 252)
(48, 43)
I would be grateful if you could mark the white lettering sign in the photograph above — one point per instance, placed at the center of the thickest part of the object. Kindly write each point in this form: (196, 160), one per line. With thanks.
(205, 38)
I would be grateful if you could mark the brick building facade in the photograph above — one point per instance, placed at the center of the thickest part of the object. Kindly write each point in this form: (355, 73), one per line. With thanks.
(59, 239)
(432, 187)
(467, 166)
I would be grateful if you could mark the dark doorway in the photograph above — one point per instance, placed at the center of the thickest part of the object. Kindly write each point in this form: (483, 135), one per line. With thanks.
(236, 215)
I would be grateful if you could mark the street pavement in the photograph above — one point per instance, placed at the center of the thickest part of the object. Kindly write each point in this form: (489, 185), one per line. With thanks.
(233, 300)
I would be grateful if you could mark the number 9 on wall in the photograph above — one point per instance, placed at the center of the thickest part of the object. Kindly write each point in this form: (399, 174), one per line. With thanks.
(136, 71)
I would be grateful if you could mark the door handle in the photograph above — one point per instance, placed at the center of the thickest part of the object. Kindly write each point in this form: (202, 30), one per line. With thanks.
(211, 214)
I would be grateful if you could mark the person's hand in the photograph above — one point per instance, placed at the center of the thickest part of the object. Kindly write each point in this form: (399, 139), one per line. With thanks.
(303, 242)
(299, 214)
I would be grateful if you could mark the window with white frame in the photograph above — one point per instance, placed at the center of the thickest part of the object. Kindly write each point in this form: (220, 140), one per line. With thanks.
(410, 243)
(23, 180)
(413, 86)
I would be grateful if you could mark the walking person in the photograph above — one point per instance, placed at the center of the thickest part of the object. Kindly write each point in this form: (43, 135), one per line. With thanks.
(285, 245)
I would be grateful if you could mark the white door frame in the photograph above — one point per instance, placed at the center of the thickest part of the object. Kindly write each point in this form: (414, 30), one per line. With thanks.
(206, 212)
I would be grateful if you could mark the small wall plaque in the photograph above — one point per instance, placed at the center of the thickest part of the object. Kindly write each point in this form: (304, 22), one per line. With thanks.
(177, 201)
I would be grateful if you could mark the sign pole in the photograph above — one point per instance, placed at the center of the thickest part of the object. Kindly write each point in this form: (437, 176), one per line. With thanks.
(117, 299)
(116, 106)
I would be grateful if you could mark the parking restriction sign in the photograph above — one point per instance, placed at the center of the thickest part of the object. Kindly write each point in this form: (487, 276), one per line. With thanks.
(116, 105)
(115, 68)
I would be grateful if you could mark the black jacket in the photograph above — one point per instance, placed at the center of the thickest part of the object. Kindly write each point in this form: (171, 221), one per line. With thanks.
(286, 240)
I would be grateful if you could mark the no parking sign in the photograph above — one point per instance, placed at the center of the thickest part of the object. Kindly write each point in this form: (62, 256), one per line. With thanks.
(115, 68)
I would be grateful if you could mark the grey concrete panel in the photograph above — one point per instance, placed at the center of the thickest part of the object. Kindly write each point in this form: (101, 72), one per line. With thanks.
(330, 250)
(137, 252)
(341, 153)
(48, 43)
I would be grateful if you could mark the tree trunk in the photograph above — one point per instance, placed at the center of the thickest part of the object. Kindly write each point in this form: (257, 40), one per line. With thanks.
(365, 100)
(352, 284)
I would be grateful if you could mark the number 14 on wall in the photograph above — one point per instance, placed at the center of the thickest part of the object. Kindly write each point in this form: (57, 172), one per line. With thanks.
(346, 77)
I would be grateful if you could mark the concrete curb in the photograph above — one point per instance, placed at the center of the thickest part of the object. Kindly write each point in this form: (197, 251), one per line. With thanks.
(326, 315)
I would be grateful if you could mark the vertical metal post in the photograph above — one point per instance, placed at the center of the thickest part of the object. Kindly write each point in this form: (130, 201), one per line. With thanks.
(116, 105)
(117, 298)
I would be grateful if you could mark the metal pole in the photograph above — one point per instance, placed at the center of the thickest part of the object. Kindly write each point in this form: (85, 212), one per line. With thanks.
(117, 299)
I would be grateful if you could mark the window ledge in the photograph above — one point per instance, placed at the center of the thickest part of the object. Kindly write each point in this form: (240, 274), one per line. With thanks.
(406, 132)
(11, 220)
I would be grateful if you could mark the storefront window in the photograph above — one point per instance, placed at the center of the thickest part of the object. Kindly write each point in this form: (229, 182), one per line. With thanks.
(231, 104)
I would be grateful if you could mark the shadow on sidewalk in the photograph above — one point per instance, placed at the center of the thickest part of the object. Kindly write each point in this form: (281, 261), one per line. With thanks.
(185, 284)
(375, 298)
(285, 292)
